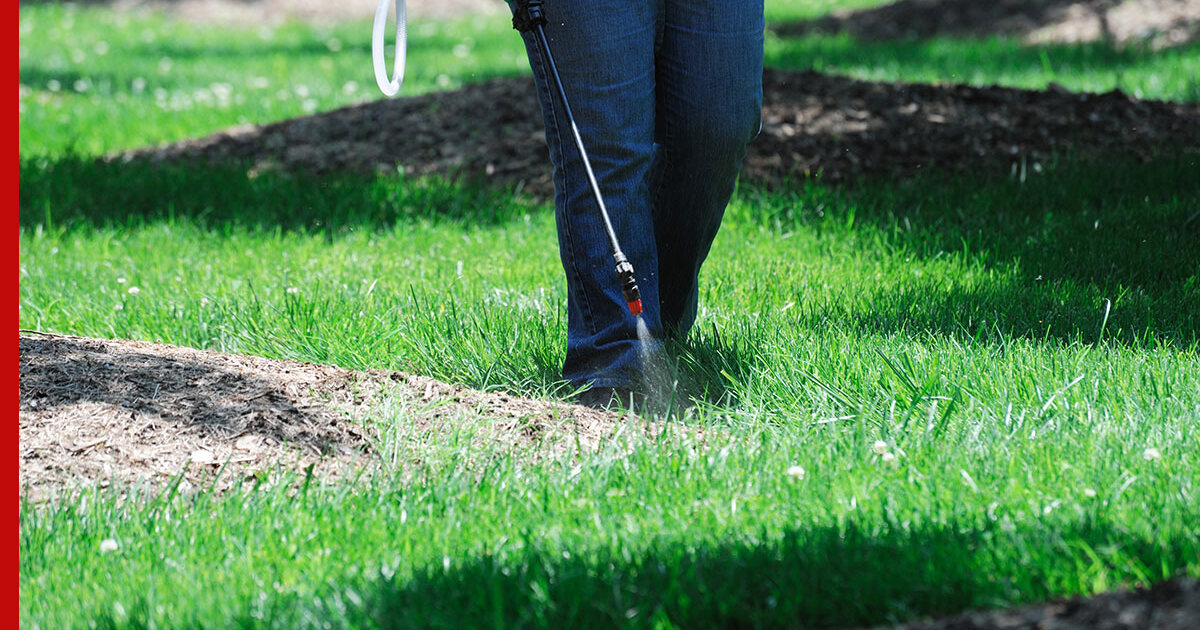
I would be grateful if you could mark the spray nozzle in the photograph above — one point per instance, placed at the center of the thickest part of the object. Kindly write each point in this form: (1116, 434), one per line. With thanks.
(629, 287)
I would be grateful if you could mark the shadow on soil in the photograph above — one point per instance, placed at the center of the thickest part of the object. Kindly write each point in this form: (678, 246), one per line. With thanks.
(923, 19)
(57, 373)
(817, 577)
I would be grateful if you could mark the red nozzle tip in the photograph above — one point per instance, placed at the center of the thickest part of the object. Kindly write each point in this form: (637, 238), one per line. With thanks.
(635, 307)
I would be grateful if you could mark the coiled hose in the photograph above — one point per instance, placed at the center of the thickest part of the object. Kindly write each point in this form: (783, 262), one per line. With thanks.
(390, 87)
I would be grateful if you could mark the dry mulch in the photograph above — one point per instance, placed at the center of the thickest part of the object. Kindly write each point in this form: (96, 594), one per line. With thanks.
(97, 411)
(1156, 23)
(840, 127)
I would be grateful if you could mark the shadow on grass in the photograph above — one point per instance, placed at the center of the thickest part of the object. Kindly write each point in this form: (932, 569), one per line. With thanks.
(965, 61)
(830, 576)
(74, 192)
(1106, 249)
(1085, 251)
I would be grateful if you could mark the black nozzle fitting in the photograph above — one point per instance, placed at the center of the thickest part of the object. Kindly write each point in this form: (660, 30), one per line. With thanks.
(528, 15)
(629, 287)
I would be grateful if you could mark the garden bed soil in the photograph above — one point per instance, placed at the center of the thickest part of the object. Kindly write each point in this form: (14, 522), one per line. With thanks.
(1169, 605)
(129, 413)
(840, 128)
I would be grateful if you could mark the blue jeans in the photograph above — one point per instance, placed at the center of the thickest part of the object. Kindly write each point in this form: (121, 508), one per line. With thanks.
(666, 94)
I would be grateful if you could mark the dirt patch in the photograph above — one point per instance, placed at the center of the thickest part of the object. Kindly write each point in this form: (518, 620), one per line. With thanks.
(95, 411)
(840, 127)
(1170, 605)
(1156, 23)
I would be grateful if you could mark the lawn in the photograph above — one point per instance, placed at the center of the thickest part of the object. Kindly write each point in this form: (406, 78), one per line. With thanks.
(1027, 352)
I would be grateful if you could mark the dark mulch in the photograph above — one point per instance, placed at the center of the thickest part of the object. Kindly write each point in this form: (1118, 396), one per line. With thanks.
(813, 123)
(1170, 605)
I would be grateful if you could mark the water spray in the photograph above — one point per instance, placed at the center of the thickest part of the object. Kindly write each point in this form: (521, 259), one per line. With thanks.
(529, 17)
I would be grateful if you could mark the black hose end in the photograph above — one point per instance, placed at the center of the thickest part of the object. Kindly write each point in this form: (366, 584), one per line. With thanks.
(629, 287)
(528, 15)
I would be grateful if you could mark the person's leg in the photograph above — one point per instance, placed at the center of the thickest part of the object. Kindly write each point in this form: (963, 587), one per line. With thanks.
(709, 79)
(604, 50)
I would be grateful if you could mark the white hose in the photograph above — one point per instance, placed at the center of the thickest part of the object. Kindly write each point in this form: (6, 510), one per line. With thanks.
(392, 86)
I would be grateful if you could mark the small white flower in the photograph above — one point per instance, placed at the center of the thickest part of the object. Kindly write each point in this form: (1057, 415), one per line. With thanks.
(879, 447)
(134, 290)
(890, 459)
(118, 307)
(1089, 493)
(203, 301)
(796, 472)
(108, 545)
(292, 290)
(120, 280)
(1151, 454)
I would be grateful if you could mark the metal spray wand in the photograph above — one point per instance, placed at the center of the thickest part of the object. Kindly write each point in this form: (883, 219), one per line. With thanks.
(529, 17)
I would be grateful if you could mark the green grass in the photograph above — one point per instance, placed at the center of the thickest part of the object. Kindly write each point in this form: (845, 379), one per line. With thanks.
(1170, 74)
(669, 536)
(974, 342)
(160, 80)
(1017, 344)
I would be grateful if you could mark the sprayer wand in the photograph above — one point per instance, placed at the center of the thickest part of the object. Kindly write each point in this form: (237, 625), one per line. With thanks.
(529, 17)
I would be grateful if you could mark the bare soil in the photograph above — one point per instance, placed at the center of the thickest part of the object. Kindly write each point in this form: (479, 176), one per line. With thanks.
(842, 128)
(96, 411)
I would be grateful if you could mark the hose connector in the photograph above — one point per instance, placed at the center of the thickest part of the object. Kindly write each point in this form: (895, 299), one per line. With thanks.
(629, 287)
(528, 15)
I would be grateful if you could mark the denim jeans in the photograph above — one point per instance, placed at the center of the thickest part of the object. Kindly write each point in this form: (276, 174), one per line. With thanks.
(666, 94)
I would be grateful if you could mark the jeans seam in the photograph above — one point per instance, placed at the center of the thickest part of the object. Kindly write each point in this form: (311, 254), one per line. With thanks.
(585, 305)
